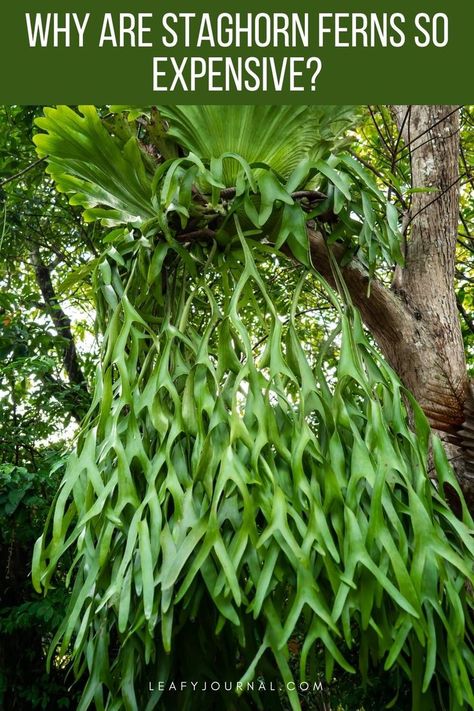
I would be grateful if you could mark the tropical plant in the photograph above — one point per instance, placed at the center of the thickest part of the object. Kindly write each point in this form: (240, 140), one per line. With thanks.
(230, 489)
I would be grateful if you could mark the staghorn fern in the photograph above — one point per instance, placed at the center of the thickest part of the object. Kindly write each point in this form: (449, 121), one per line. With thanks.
(281, 136)
(219, 480)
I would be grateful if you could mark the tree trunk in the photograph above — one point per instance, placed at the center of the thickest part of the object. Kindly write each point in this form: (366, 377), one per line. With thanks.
(416, 322)
(75, 396)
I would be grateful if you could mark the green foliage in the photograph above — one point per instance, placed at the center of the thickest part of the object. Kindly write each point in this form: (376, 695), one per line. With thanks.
(280, 136)
(34, 410)
(101, 182)
(128, 192)
(28, 350)
(221, 477)
(388, 159)
(35, 217)
(465, 263)
(27, 620)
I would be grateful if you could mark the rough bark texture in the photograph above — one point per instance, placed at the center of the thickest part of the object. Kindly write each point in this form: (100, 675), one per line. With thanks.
(416, 322)
(427, 281)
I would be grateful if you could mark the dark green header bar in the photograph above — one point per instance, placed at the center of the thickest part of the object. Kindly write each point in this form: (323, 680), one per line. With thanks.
(269, 52)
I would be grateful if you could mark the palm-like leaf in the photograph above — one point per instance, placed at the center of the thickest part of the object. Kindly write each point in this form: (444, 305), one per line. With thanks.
(280, 136)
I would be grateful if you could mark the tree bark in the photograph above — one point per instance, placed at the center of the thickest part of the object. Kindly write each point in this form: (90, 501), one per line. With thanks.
(427, 280)
(416, 322)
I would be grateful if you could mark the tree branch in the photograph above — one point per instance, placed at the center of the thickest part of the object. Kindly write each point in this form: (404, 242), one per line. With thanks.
(61, 322)
(11, 178)
(434, 221)
(387, 316)
(66, 396)
(468, 321)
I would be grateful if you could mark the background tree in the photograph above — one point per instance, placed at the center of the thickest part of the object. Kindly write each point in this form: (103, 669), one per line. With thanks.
(416, 320)
(43, 395)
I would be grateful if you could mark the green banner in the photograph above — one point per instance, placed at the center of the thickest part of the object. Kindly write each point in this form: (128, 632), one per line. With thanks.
(346, 51)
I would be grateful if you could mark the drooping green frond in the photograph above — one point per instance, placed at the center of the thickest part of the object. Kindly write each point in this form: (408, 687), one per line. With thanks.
(217, 472)
(221, 476)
